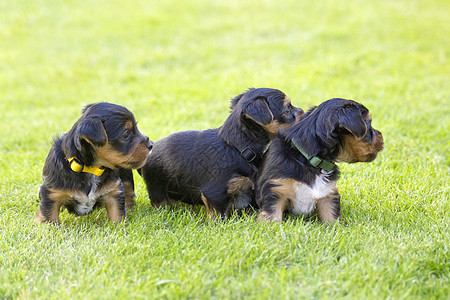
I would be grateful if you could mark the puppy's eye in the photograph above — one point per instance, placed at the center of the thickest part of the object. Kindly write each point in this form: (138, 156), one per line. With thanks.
(288, 110)
(126, 135)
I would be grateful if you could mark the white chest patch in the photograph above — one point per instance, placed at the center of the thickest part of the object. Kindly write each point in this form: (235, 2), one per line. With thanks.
(86, 202)
(306, 195)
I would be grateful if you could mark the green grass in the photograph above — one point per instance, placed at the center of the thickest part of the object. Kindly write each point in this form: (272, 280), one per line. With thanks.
(176, 64)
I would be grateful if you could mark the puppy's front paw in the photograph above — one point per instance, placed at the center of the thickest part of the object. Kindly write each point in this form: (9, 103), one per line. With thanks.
(265, 216)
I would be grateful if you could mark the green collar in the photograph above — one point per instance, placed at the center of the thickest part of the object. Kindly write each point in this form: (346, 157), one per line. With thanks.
(314, 160)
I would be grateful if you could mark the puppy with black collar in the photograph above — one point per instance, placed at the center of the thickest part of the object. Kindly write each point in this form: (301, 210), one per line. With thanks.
(91, 164)
(217, 167)
(299, 174)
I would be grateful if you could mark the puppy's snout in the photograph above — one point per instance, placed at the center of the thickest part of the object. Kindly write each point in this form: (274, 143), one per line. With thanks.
(298, 113)
(149, 144)
(379, 140)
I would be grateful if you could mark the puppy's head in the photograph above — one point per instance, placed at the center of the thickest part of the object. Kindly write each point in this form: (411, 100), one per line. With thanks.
(344, 129)
(266, 109)
(106, 135)
(360, 142)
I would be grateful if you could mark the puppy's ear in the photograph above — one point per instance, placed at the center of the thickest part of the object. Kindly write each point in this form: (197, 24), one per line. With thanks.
(235, 100)
(351, 119)
(258, 110)
(92, 131)
(87, 107)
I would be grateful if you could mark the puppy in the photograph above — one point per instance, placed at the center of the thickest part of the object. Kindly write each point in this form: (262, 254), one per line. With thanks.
(91, 164)
(299, 174)
(217, 167)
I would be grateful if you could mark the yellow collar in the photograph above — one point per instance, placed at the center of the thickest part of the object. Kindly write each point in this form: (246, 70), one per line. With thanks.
(78, 167)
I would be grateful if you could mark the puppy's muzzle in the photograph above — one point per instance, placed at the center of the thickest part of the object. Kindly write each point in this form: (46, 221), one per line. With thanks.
(298, 113)
(149, 144)
(379, 141)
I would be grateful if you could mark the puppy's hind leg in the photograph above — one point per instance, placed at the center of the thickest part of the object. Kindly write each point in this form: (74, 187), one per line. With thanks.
(275, 199)
(216, 200)
(157, 185)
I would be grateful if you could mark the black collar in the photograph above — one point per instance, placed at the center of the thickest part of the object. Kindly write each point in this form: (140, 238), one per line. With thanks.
(249, 155)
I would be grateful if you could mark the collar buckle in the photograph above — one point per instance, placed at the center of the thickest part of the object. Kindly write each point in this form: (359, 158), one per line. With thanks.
(75, 165)
(248, 154)
(78, 167)
(314, 160)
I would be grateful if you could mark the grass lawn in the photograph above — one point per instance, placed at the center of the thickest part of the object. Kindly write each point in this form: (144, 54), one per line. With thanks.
(176, 64)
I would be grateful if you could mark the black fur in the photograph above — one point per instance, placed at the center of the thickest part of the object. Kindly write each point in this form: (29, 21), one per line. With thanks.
(321, 132)
(102, 124)
(188, 164)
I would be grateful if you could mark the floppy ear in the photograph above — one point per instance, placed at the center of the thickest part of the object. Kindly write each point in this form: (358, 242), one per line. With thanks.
(92, 131)
(87, 107)
(258, 110)
(235, 100)
(351, 119)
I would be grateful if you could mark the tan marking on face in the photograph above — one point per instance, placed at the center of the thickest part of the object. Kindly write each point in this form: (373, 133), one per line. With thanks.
(136, 158)
(273, 127)
(356, 150)
(129, 125)
(285, 191)
(287, 102)
(327, 206)
(129, 194)
(281, 126)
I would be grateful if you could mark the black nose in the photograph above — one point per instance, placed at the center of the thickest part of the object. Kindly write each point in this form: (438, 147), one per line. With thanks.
(149, 144)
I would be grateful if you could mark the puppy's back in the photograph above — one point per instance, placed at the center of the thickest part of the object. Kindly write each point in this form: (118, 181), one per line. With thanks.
(181, 162)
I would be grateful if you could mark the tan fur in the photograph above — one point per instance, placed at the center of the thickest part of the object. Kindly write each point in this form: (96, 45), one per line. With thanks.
(285, 190)
(129, 194)
(54, 216)
(356, 150)
(273, 127)
(239, 184)
(109, 157)
(209, 209)
(326, 207)
(129, 125)
(59, 198)
(167, 202)
(113, 210)
(110, 202)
